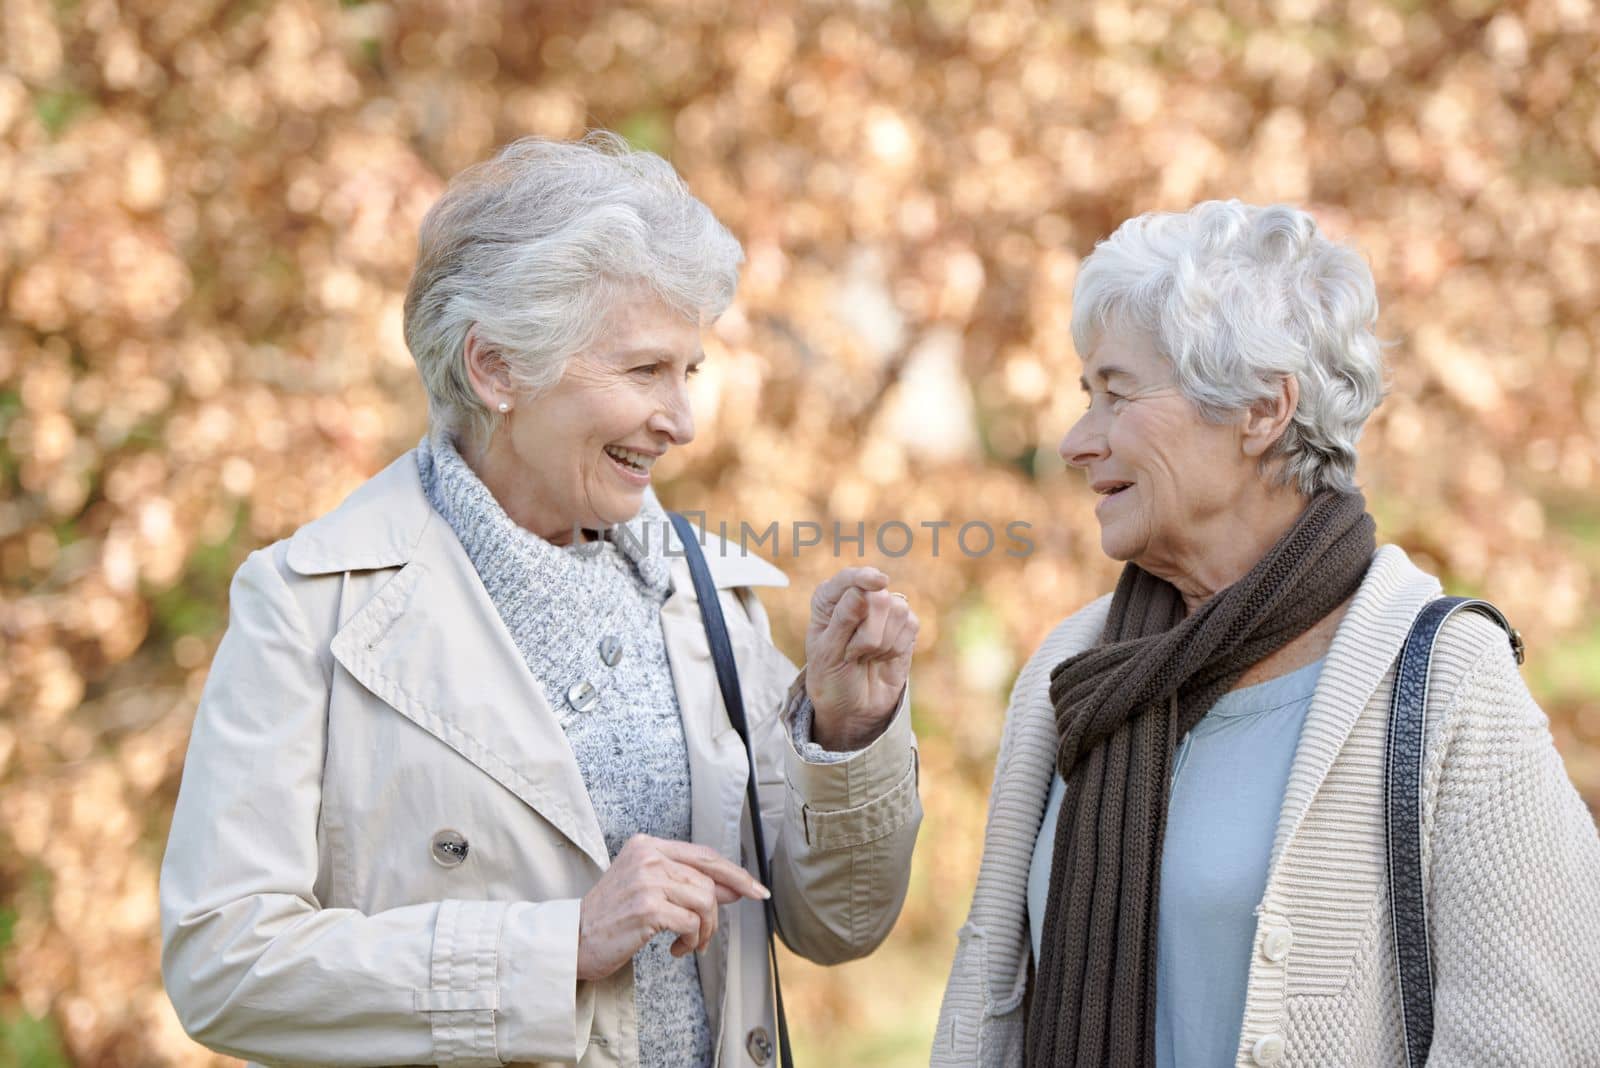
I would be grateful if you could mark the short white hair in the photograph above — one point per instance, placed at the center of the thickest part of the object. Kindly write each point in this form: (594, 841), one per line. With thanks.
(1237, 297)
(536, 246)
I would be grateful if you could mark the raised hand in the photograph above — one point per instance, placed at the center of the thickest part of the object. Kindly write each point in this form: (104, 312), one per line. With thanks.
(858, 655)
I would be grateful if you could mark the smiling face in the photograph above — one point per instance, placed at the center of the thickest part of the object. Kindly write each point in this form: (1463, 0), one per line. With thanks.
(578, 454)
(1174, 489)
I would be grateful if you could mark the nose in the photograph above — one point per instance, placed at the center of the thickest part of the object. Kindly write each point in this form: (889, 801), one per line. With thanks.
(674, 417)
(1085, 442)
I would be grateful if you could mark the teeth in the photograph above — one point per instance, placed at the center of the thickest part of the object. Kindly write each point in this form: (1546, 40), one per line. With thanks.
(639, 460)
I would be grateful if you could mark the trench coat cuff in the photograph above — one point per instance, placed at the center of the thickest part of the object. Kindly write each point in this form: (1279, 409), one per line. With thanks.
(868, 796)
(545, 1013)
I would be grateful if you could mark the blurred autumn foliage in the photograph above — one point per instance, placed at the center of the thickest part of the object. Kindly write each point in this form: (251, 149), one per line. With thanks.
(207, 217)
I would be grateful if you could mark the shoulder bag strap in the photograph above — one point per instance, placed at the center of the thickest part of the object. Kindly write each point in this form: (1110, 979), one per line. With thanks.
(1402, 826)
(728, 680)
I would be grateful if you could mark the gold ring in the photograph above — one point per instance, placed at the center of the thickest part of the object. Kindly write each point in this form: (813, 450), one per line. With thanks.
(896, 593)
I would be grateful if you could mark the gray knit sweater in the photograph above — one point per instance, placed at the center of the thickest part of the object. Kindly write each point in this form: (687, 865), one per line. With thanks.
(570, 610)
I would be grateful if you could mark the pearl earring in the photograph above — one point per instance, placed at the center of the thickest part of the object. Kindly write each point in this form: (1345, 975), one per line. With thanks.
(504, 407)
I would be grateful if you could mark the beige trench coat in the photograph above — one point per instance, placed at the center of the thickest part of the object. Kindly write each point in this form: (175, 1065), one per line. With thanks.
(367, 698)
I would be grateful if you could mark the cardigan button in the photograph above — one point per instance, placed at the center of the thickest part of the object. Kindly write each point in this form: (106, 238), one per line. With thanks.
(610, 650)
(1268, 1050)
(1275, 943)
(759, 1045)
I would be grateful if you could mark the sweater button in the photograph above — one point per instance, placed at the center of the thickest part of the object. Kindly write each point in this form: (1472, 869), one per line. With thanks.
(1275, 943)
(1268, 1050)
(582, 696)
(610, 650)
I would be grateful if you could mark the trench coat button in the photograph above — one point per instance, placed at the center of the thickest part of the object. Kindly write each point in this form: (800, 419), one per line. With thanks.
(1268, 1050)
(610, 650)
(759, 1045)
(449, 848)
(582, 696)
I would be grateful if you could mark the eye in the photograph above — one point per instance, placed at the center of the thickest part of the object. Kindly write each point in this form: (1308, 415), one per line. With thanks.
(693, 370)
(644, 369)
(1114, 400)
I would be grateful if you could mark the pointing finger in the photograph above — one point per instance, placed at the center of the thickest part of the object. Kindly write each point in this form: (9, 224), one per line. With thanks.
(729, 877)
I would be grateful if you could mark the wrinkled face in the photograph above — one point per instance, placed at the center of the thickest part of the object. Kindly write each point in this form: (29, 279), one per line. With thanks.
(1168, 481)
(585, 446)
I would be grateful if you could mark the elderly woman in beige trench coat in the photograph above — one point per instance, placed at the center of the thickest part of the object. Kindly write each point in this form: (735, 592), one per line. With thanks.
(416, 818)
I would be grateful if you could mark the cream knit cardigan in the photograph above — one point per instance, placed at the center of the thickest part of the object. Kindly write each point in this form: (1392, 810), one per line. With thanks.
(1511, 857)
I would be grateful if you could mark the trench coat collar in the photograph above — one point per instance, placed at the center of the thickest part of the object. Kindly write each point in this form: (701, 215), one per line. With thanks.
(431, 644)
(382, 523)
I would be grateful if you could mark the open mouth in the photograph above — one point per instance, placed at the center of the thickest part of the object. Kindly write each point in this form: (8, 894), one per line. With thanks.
(631, 460)
(1111, 489)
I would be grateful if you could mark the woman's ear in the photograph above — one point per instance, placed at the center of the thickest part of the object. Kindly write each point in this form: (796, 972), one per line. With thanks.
(1266, 420)
(486, 370)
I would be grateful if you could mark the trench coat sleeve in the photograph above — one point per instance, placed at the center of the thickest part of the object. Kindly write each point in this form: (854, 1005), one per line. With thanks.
(841, 838)
(253, 963)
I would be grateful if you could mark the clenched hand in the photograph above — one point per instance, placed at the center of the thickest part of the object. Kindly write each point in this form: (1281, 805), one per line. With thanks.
(858, 654)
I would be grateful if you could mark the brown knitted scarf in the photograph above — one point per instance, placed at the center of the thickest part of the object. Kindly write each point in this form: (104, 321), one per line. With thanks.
(1121, 708)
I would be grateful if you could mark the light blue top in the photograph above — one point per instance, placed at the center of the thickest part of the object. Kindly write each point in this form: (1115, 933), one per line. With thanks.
(1228, 777)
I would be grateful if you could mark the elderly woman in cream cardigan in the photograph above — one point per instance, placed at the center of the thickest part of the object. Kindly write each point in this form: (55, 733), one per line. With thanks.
(1185, 858)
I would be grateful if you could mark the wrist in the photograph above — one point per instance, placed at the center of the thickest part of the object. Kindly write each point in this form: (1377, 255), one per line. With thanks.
(845, 735)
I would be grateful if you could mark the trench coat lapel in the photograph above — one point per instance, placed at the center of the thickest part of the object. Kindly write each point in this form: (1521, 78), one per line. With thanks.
(432, 646)
(718, 765)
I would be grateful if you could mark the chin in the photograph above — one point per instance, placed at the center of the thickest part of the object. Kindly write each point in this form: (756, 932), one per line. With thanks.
(1117, 547)
(621, 510)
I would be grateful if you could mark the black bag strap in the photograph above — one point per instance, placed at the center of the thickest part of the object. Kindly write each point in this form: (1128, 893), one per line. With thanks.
(1402, 824)
(728, 680)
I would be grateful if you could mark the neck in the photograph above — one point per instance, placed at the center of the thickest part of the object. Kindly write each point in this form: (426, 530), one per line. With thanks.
(1249, 528)
(513, 490)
